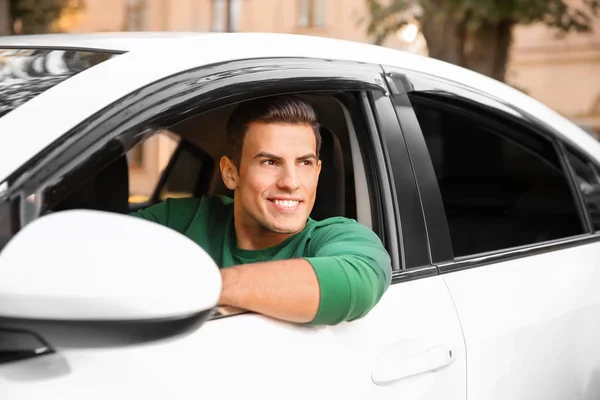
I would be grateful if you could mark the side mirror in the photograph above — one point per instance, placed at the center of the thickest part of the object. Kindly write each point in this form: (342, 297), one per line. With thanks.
(90, 278)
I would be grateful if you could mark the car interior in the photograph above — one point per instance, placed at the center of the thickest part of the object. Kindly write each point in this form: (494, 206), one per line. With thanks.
(193, 168)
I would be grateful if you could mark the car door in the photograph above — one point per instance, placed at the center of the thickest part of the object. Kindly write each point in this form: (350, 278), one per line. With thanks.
(409, 346)
(516, 246)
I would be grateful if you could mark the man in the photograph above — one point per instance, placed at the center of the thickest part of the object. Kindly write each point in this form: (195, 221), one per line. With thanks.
(274, 259)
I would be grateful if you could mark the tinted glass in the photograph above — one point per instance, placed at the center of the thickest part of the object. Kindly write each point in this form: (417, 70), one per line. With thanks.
(501, 188)
(147, 161)
(588, 180)
(25, 73)
(183, 177)
(8, 221)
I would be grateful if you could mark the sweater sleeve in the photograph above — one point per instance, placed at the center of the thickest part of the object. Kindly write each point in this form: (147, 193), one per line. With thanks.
(158, 213)
(176, 214)
(353, 269)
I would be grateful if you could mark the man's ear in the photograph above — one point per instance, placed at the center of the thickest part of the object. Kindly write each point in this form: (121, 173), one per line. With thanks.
(229, 173)
(319, 163)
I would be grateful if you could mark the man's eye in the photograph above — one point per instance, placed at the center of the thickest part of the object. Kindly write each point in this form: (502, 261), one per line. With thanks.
(307, 162)
(269, 162)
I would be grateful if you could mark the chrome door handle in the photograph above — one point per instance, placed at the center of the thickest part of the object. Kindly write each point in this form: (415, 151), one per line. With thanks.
(391, 369)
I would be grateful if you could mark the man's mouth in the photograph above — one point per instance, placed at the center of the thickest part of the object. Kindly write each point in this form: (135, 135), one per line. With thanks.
(286, 204)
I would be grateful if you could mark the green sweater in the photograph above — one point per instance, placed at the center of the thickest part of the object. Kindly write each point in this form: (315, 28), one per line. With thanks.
(352, 266)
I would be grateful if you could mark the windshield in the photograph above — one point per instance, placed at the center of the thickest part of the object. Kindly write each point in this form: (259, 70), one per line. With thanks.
(25, 73)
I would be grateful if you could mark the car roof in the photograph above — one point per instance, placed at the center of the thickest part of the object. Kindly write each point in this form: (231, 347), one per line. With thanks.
(151, 57)
(101, 41)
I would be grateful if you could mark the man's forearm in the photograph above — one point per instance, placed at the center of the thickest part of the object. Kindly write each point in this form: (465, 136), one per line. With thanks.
(287, 289)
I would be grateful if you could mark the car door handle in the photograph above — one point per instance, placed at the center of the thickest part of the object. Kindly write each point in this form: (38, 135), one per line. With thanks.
(391, 368)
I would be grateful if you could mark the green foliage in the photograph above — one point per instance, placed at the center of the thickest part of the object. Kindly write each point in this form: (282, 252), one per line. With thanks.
(38, 16)
(386, 17)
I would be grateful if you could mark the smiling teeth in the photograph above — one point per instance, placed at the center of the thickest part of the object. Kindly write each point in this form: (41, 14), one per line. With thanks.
(286, 203)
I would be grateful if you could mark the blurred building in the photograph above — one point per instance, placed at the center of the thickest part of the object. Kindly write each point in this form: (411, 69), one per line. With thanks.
(564, 73)
(330, 18)
(561, 71)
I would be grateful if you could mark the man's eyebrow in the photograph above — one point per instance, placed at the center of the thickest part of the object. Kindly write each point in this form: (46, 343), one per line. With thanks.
(264, 154)
(307, 157)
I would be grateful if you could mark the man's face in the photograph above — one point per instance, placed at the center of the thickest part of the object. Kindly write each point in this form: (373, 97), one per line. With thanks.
(276, 184)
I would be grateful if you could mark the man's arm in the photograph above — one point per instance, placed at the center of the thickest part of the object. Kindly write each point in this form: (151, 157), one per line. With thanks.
(346, 277)
(286, 289)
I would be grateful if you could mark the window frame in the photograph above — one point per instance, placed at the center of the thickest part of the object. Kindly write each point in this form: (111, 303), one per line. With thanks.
(404, 81)
(416, 255)
(151, 108)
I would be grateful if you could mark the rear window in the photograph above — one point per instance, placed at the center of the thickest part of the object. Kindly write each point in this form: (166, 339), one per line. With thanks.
(25, 73)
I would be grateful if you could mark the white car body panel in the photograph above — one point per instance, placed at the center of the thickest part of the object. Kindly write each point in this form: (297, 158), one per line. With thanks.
(109, 41)
(64, 106)
(242, 356)
(532, 325)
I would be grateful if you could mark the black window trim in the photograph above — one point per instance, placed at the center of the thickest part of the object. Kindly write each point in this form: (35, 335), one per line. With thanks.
(479, 260)
(386, 186)
(405, 193)
(533, 125)
(382, 201)
(434, 214)
(381, 127)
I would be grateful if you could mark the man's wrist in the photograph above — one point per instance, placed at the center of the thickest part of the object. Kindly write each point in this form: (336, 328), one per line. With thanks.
(226, 274)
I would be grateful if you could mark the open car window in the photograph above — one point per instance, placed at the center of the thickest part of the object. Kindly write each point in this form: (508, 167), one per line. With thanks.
(25, 73)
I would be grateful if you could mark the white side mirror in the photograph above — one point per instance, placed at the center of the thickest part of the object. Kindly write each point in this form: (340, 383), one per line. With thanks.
(89, 278)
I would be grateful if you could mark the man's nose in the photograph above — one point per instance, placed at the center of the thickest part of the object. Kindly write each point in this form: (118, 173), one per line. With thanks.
(289, 179)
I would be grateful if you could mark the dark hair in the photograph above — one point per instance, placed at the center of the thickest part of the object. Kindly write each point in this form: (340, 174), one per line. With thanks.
(271, 110)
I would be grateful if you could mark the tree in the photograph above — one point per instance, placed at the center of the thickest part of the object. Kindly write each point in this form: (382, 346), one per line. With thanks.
(40, 16)
(476, 34)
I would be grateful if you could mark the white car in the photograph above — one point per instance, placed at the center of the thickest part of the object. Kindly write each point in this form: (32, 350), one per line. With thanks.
(486, 200)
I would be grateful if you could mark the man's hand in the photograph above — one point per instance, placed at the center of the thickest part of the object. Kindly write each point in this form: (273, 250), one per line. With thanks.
(286, 290)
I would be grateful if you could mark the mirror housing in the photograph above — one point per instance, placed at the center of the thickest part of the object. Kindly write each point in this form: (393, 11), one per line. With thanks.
(91, 278)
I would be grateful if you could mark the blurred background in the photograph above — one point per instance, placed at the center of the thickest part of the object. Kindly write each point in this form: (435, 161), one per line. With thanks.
(549, 49)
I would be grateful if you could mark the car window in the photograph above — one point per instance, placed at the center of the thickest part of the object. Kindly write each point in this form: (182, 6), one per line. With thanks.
(588, 180)
(25, 73)
(188, 174)
(164, 166)
(147, 160)
(502, 187)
